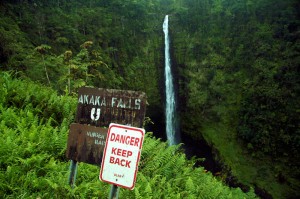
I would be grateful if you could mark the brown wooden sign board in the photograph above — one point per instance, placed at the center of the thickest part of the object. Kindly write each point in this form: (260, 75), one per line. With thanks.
(86, 143)
(97, 108)
(100, 107)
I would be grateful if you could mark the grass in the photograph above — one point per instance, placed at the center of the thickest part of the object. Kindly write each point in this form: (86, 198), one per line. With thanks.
(250, 171)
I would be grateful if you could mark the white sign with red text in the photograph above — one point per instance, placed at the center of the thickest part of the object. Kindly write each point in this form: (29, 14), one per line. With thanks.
(121, 155)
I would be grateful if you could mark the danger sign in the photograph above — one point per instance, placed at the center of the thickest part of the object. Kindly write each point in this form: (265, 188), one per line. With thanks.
(121, 155)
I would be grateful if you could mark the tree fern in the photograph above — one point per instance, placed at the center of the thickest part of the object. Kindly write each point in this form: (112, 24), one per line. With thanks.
(190, 186)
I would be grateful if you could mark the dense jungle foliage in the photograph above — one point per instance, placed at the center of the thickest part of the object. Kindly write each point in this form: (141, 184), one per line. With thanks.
(236, 66)
(33, 133)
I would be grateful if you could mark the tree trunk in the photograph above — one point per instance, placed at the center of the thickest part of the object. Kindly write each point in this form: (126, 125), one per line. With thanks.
(46, 71)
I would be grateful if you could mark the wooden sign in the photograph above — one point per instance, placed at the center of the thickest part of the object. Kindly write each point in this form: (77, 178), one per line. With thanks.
(86, 143)
(96, 109)
(100, 107)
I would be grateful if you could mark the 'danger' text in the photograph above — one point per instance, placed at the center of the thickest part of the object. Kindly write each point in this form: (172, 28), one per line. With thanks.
(125, 139)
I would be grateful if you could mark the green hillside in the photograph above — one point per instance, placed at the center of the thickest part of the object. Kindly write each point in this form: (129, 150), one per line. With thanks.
(236, 66)
(33, 134)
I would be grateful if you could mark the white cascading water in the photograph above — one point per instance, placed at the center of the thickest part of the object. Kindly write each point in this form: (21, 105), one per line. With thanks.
(170, 95)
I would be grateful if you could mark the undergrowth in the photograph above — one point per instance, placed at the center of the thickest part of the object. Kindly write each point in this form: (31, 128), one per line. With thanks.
(34, 123)
(263, 172)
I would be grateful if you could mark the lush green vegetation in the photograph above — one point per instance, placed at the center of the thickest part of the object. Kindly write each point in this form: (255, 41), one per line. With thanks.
(33, 146)
(237, 71)
(240, 64)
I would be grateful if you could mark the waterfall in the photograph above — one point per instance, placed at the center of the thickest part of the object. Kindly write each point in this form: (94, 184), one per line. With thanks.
(170, 109)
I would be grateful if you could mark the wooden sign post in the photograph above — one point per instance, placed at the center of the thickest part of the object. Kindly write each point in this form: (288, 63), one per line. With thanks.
(96, 109)
(100, 107)
(86, 143)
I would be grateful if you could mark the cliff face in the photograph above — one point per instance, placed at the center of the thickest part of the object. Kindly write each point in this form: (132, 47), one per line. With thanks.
(236, 68)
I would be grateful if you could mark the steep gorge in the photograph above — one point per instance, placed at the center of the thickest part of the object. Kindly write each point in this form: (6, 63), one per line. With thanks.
(236, 66)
